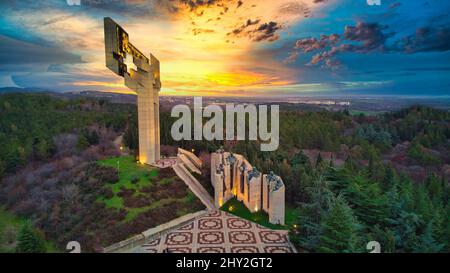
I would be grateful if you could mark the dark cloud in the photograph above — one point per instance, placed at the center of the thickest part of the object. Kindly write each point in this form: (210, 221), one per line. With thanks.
(263, 32)
(266, 32)
(426, 39)
(240, 29)
(365, 37)
(14, 51)
(193, 5)
(311, 44)
(370, 35)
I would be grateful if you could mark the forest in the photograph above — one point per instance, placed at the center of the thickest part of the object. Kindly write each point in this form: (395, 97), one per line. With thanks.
(351, 178)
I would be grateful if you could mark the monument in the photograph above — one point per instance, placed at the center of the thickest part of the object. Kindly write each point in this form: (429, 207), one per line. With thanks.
(232, 176)
(144, 81)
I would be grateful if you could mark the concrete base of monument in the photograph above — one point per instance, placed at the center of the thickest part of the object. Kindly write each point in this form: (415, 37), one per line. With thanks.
(165, 162)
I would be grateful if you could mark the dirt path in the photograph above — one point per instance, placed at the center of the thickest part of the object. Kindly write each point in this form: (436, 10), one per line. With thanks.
(118, 143)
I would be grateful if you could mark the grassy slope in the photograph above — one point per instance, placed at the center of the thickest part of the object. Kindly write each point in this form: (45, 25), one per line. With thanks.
(129, 169)
(260, 217)
(145, 176)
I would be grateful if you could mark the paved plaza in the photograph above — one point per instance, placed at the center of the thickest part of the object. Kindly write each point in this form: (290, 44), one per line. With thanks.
(219, 232)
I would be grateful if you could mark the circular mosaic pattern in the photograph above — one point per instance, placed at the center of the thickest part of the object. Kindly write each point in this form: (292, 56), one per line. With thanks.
(217, 249)
(215, 213)
(150, 250)
(187, 227)
(210, 224)
(277, 249)
(212, 238)
(242, 237)
(272, 237)
(238, 223)
(152, 243)
(219, 232)
(244, 249)
(177, 250)
(179, 238)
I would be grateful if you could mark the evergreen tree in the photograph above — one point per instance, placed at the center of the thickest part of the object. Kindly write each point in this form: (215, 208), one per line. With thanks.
(2, 169)
(426, 243)
(422, 204)
(371, 167)
(389, 178)
(319, 160)
(384, 236)
(445, 233)
(82, 143)
(367, 201)
(130, 138)
(318, 201)
(29, 241)
(435, 188)
(299, 159)
(339, 229)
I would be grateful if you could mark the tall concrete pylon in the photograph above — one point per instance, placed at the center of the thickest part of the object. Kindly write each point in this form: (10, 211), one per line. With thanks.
(144, 81)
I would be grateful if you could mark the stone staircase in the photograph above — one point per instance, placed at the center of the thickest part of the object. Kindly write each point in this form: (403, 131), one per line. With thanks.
(194, 185)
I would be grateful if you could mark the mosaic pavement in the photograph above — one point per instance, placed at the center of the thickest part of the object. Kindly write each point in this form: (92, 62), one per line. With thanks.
(219, 232)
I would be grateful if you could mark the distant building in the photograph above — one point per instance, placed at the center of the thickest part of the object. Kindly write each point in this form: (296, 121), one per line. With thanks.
(233, 176)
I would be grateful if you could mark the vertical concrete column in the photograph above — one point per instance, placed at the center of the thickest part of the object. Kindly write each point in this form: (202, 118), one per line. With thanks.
(265, 194)
(277, 206)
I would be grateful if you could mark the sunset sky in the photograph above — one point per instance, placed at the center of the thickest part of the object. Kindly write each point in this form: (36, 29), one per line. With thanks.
(235, 47)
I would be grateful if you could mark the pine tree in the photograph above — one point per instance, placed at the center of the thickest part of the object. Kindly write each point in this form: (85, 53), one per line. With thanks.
(319, 160)
(446, 228)
(2, 169)
(339, 229)
(426, 243)
(384, 236)
(371, 167)
(367, 200)
(29, 241)
(82, 143)
(318, 198)
(389, 178)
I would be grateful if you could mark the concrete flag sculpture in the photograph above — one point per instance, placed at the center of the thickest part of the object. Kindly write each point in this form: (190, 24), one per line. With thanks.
(144, 79)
